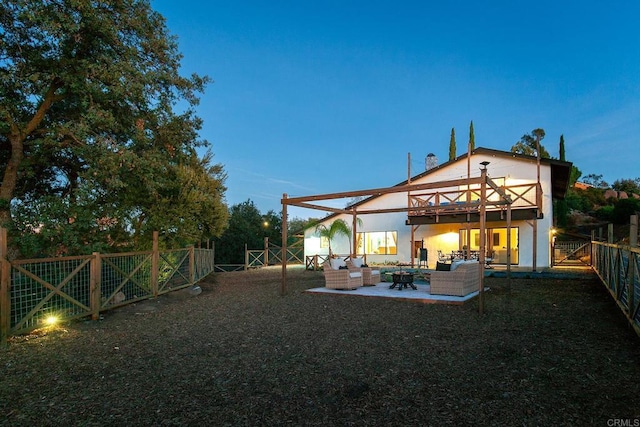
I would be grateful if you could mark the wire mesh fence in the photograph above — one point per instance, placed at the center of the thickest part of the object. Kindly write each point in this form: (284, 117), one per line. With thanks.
(34, 291)
(125, 278)
(41, 289)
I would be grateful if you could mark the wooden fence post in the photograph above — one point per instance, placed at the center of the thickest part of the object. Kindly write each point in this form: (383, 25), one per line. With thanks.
(5, 284)
(192, 265)
(246, 258)
(95, 285)
(633, 243)
(155, 265)
(610, 233)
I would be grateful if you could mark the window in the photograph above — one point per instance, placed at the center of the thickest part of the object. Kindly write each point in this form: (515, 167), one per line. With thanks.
(378, 243)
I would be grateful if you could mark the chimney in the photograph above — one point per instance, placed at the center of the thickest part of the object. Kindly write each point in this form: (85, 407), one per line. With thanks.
(431, 161)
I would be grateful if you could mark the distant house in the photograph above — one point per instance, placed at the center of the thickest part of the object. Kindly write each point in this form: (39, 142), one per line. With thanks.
(396, 225)
(581, 185)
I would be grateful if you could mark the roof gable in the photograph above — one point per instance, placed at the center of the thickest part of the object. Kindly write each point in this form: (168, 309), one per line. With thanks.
(560, 170)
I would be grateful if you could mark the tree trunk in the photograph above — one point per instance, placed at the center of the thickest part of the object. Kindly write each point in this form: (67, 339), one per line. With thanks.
(17, 137)
(10, 177)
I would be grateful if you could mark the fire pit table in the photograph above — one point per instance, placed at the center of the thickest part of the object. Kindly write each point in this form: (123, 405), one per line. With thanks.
(402, 279)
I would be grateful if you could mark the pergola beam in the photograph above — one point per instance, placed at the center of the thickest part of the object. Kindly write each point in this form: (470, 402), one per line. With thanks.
(386, 190)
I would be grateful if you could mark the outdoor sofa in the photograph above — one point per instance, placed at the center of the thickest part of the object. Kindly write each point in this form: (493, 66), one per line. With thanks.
(461, 280)
(338, 276)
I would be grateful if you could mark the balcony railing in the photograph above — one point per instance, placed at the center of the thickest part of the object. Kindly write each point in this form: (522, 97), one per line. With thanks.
(463, 200)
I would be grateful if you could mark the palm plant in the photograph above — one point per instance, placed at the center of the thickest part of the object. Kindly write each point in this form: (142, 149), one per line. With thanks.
(337, 227)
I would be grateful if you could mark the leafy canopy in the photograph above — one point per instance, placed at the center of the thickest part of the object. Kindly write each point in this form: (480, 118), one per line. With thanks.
(91, 135)
(528, 144)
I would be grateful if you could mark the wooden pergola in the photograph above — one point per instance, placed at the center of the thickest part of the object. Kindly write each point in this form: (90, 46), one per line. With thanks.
(479, 208)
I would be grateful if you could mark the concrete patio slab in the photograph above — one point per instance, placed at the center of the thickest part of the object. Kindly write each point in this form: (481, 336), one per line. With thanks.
(381, 290)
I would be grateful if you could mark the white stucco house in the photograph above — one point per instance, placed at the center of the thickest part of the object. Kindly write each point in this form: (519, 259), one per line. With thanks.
(441, 210)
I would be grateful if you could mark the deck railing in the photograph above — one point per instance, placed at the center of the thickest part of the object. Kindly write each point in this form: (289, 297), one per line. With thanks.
(461, 200)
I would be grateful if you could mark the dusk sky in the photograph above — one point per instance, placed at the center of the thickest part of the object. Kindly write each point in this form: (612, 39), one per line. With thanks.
(331, 96)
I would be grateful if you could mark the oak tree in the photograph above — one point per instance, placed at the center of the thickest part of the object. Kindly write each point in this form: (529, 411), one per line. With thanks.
(92, 141)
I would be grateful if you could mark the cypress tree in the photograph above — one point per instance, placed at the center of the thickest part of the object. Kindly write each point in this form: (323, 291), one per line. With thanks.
(562, 209)
(472, 137)
(452, 145)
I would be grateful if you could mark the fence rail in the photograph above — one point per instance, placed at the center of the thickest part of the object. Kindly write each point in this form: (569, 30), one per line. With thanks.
(227, 268)
(619, 269)
(31, 291)
(256, 258)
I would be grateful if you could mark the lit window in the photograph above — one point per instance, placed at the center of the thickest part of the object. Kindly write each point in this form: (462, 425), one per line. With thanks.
(496, 243)
(378, 243)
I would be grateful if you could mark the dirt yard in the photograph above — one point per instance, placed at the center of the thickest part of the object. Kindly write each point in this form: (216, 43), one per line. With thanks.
(545, 352)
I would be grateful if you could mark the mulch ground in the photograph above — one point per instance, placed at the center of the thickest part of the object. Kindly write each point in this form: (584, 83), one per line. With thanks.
(545, 352)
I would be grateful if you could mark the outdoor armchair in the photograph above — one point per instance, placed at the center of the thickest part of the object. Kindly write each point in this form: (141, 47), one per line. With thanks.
(341, 278)
(370, 276)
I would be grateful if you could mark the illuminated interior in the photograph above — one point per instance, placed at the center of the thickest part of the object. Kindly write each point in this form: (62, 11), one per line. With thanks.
(496, 243)
(377, 243)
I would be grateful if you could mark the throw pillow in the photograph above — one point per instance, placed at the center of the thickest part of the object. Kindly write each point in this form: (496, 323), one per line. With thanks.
(336, 263)
(441, 266)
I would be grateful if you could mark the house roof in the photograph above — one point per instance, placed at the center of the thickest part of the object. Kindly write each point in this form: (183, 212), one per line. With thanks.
(560, 170)
(560, 173)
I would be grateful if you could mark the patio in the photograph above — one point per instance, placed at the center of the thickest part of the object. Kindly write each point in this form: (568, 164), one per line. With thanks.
(422, 294)
(381, 290)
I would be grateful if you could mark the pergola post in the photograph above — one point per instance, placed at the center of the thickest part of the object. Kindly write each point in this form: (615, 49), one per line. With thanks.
(538, 204)
(509, 245)
(412, 249)
(535, 243)
(468, 231)
(283, 286)
(354, 233)
(483, 234)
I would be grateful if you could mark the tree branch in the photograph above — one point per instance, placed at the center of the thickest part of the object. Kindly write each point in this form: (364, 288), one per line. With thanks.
(49, 98)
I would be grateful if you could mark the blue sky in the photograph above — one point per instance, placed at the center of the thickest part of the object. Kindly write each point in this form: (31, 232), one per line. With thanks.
(331, 96)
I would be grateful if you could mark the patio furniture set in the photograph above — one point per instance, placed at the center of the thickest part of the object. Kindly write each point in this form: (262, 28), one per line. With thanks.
(460, 278)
